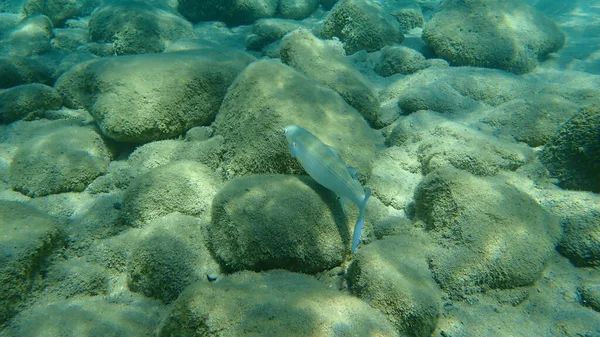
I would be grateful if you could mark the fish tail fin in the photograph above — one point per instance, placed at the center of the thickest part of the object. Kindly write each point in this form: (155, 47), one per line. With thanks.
(359, 222)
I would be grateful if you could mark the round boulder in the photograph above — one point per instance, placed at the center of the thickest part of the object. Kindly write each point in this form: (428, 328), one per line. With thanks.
(269, 95)
(503, 34)
(296, 9)
(27, 101)
(60, 10)
(490, 234)
(136, 27)
(65, 159)
(21, 70)
(273, 303)
(182, 186)
(573, 155)
(361, 25)
(392, 275)
(141, 98)
(277, 222)
(324, 61)
(399, 59)
(168, 255)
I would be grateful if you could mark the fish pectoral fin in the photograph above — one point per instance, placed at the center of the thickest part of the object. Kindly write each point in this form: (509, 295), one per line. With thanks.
(293, 149)
(334, 150)
(353, 171)
(344, 201)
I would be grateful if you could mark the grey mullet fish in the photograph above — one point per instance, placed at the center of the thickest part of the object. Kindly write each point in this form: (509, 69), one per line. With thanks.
(324, 165)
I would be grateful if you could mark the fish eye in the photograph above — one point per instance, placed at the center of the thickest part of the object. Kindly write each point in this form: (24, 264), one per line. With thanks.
(285, 130)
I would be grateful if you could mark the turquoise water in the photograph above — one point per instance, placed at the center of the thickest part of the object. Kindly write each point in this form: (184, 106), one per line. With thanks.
(147, 187)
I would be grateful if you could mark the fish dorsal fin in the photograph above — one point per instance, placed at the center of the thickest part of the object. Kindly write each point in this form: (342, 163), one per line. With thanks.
(353, 171)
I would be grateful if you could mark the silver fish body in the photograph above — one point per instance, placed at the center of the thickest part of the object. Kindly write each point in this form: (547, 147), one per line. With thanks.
(323, 164)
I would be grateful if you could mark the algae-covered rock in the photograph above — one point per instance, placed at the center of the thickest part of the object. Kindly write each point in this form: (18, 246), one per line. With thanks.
(455, 90)
(274, 303)
(277, 222)
(399, 60)
(60, 10)
(409, 17)
(573, 155)
(508, 35)
(533, 120)
(491, 235)
(27, 101)
(21, 70)
(578, 214)
(361, 25)
(75, 277)
(140, 98)
(136, 27)
(396, 174)
(162, 152)
(28, 238)
(29, 38)
(89, 316)
(436, 142)
(392, 276)
(296, 9)
(64, 159)
(267, 31)
(182, 186)
(265, 98)
(167, 255)
(324, 61)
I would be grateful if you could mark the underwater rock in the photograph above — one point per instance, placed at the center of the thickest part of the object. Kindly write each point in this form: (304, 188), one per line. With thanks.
(232, 12)
(267, 31)
(278, 222)
(436, 142)
(409, 17)
(490, 234)
(60, 10)
(396, 173)
(392, 276)
(324, 61)
(503, 34)
(27, 101)
(269, 95)
(75, 277)
(296, 9)
(167, 255)
(573, 155)
(70, 40)
(28, 238)
(361, 25)
(455, 90)
(590, 294)
(140, 98)
(162, 152)
(533, 120)
(243, 12)
(578, 213)
(136, 27)
(274, 303)
(63, 159)
(89, 316)
(30, 37)
(182, 186)
(21, 70)
(399, 60)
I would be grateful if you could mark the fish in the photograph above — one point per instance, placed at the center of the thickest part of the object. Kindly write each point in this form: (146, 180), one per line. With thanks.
(323, 163)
